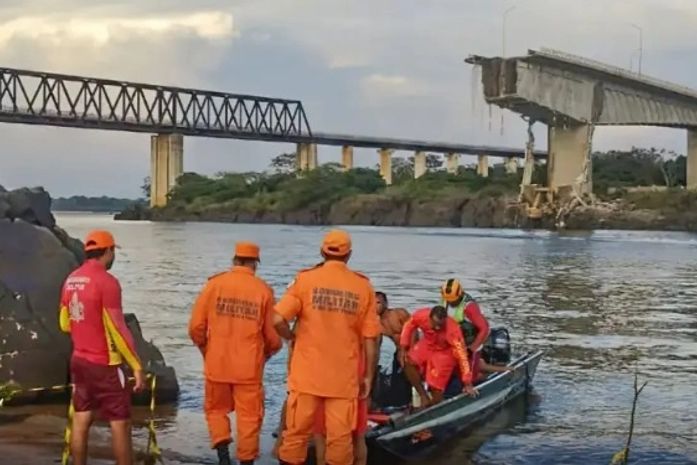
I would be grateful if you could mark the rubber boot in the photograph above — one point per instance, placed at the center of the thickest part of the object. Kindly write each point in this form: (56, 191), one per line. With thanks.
(223, 454)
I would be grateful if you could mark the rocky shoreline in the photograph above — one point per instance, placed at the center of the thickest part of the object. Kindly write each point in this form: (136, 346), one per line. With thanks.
(466, 211)
(35, 258)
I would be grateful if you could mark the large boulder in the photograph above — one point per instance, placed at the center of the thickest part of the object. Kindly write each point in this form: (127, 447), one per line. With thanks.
(35, 258)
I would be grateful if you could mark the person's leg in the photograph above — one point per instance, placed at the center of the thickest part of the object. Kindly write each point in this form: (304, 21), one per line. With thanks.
(121, 441)
(249, 405)
(417, 360)
(300, 416)
(319, 432)
(218, 403)
(114, 399)
(340, 418)
(281, 428)
(84, 405)
(320, 449)
(441, 366)
(360, 449)
(78, 439)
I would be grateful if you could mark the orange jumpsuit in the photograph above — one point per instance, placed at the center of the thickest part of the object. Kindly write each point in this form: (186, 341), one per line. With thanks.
(232, 325)
(335, 309)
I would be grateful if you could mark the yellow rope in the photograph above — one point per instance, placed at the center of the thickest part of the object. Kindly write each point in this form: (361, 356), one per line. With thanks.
(68, 433)
(153, 451)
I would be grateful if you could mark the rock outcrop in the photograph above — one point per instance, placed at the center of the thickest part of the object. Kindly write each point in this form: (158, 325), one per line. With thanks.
(35, 258)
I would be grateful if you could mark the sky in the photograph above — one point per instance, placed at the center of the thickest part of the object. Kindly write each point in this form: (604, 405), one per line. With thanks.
(382, 67)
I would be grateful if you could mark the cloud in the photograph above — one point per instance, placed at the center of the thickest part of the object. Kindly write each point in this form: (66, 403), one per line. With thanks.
(394, 69)
(213, 25)
(380, 86)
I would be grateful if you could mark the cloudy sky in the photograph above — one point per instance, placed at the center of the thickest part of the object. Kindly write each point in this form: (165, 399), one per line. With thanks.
(380, 67)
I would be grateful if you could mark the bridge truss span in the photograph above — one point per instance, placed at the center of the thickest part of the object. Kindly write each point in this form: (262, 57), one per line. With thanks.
(71, 101)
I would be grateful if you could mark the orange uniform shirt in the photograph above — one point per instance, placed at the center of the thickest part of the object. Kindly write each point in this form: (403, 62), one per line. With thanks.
(232, 321)
(335, 308)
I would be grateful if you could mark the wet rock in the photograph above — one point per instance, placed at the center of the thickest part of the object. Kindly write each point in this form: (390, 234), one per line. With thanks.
(35, 258)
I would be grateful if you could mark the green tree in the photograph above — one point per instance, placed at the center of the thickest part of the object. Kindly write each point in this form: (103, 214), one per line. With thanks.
(145, 188)
(284, 163)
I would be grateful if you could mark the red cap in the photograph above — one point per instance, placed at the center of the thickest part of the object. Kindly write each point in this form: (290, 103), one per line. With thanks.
(99, 239)
(247, 250)
(337, 243)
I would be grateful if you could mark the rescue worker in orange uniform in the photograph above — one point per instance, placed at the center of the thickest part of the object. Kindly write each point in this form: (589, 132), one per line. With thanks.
(231, 323)
(436, 355)
(91, 311)
(336, 323)
(360, 449)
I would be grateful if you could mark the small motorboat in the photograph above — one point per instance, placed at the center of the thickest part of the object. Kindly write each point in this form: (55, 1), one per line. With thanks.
(413, 435)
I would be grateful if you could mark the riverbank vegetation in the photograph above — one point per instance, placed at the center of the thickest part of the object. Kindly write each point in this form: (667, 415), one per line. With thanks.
(80, 203)
(638, 179)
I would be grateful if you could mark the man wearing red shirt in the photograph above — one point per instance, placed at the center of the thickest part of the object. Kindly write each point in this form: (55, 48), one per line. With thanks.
(436, 355)
(91, 312)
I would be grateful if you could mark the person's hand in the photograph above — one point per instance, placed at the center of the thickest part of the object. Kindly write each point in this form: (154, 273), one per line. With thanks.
(139, 375)
(470, 390)
(402, 356)
(366, 384)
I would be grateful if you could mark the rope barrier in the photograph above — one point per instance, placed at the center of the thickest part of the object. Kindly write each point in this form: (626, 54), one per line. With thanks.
(153, 452)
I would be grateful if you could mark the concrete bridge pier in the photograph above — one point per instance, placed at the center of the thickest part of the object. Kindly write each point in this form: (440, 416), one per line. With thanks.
(386, 165)
(452, 162)
(511, 165)
(569, 149)
(166, 165)
(483, 166)
(691, 162)
(347, 157)
(306, 156)
(419, 164)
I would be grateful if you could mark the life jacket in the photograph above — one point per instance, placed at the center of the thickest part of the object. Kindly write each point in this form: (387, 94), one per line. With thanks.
(459, 310)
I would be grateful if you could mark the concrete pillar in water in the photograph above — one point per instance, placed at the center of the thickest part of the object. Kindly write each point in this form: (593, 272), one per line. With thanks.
(166, 165)
(306, 156)
(347, 157)
(568, 162)
(483, 166)
(301, 156)
(312, 157)
(419, 164)
(386, 165)
(452, 162)
(511, 165)
(691, 175)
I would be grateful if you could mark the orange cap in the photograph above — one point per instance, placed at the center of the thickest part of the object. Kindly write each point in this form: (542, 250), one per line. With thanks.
(337, 243)
(99, 239)
(247, 250)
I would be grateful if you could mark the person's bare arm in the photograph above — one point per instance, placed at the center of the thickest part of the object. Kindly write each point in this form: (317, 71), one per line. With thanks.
(486, 367)
(370, 350)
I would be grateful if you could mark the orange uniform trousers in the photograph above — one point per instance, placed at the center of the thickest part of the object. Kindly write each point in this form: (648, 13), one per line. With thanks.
(247, 400)
(340, 420)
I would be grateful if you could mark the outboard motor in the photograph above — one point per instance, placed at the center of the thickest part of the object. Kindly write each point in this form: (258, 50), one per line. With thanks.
(497, 348)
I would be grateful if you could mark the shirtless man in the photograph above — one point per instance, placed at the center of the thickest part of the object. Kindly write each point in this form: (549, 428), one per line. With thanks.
(391, 319)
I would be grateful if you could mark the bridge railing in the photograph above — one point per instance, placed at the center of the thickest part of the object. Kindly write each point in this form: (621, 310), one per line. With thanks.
(61, 100)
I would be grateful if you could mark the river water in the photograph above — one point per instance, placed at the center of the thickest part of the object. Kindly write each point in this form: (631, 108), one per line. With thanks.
(601, 304)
